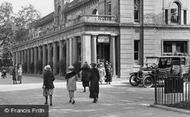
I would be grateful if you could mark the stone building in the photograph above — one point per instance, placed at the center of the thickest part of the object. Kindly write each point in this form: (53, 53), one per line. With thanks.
(92, 30)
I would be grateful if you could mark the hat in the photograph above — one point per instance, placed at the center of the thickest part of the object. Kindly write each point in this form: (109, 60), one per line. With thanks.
(47, 67)
(93, 64)
(71, 67)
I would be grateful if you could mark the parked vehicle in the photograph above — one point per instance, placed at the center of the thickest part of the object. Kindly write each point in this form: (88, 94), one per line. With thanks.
(137, 77)
(163, 66)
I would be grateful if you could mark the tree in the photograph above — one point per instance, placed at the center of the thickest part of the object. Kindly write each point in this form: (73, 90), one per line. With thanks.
(6, 11)
(14, 26)
(23, 19)
(25, 16)
(6, 32)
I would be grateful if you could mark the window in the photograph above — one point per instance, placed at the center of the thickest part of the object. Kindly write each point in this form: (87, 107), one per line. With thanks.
(167, 47)
(175, 13)
(175, 47)
(136, 10)
(185, 17)
(136, 49)
(95, 12)
(109, 8)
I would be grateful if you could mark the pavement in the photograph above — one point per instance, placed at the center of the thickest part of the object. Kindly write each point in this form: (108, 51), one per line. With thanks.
(116, 100)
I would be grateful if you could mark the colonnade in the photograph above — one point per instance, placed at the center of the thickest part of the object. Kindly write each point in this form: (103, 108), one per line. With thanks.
(35, 58)
(62, 53)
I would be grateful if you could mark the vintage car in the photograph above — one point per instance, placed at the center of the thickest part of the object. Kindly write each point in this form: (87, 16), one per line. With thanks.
(162, 66)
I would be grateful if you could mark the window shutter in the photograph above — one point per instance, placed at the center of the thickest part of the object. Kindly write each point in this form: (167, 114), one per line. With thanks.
(185, 17)
(166, 16)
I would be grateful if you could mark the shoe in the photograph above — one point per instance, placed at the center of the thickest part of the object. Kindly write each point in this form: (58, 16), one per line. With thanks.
(73, 102)
(94, 100)
(51, 104)
(45, 103)
(69, 101)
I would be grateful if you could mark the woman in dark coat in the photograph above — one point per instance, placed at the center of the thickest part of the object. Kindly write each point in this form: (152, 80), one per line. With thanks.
(48, 85)
(108, 73)
(85, 75)
(94, 82)
(14, 75)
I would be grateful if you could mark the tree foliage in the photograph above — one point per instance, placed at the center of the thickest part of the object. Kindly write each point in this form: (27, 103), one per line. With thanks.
(6, 32)
(14, 25)
(25, 16)
(6, 11)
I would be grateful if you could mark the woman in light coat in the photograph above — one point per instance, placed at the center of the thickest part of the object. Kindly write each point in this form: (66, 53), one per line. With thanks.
(102, 72)
(71, 77)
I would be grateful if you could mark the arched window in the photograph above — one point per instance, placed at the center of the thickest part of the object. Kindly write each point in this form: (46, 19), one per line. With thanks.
(95, 12)
(175, 13)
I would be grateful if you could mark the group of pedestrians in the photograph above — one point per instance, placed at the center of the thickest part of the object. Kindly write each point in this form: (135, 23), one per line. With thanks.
(17, 74)
(105, 71)
(89, 75)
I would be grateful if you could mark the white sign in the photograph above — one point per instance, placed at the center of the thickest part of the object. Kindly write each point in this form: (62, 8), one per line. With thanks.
(103, 39)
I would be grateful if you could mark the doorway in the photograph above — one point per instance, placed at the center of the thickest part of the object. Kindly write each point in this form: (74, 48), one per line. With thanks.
(103, 51)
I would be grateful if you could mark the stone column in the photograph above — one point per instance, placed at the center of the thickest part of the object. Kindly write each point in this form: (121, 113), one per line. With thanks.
(94, 49)
(14, 58)
(49, 53)
(70, 51)
(60, 55)
(25, 61)
(182, 17)
(17, 58)
(67, 54)
(169, 16)
(44, 55)
(86, 49)
(54, 58)
(22, 62)
(39, 59)
(32, 59)
(74, 50)
(35, 60)
(28, 61)
(113, 55)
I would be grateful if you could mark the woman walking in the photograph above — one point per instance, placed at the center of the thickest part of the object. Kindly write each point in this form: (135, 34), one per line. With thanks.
(108, 73)
(48, 85)
(20, 73)
(94, 83)
(102, 72)
(85, 75)
(71, 77)
(14, 75)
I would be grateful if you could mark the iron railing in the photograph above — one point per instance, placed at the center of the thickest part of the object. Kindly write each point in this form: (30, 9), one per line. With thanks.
(172, 90)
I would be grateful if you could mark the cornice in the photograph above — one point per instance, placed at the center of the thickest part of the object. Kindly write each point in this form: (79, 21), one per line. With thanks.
(131, 25)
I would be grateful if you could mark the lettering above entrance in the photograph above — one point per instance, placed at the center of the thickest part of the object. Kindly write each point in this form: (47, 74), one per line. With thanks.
(103, 39)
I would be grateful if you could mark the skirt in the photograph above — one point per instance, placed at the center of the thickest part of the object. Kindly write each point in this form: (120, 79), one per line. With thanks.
(47, 92)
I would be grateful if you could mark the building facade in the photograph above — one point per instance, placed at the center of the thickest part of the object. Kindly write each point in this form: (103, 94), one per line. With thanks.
(94, 30)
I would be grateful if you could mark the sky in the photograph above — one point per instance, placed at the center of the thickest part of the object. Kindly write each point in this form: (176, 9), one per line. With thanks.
(43, 6)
